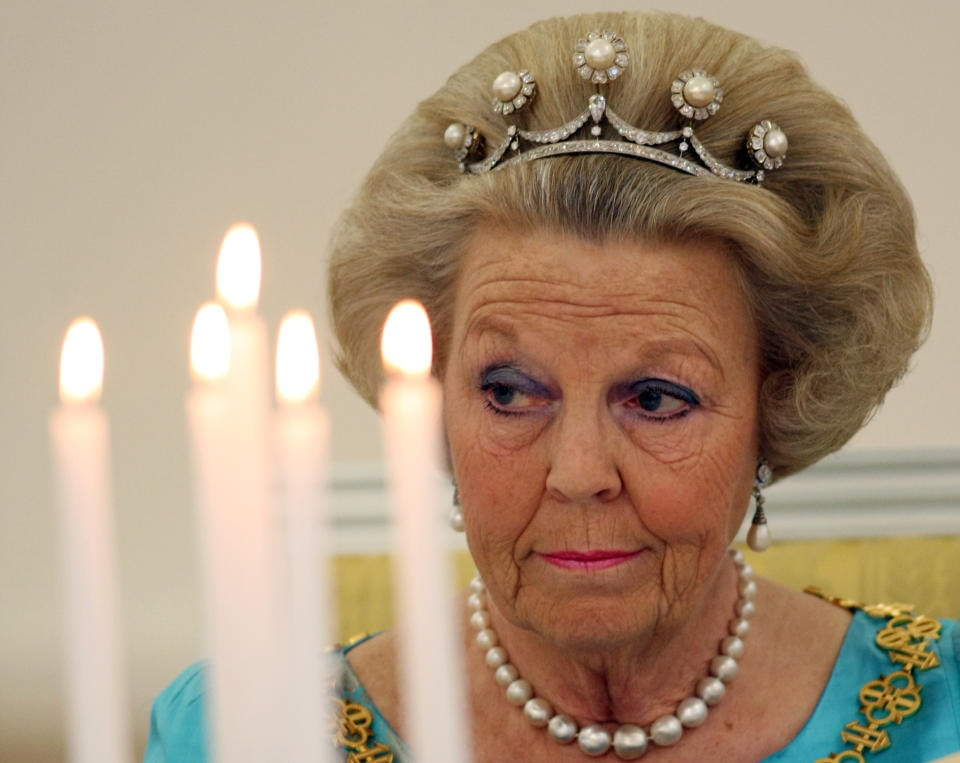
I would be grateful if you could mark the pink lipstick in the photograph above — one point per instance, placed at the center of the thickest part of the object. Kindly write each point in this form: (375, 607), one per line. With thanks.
(589, 560)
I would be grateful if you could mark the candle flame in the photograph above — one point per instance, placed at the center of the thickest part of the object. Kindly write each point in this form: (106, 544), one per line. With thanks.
(298, 361)
(210, 343)
(406, 344)
(81, 363)
(239, 268)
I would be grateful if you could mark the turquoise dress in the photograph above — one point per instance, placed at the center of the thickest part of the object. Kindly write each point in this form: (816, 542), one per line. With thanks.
(177, 729)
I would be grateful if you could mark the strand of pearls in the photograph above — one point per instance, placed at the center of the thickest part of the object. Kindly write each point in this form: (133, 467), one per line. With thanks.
(629, 741)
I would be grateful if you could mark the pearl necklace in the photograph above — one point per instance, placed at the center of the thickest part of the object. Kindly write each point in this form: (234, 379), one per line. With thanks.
(629, 741)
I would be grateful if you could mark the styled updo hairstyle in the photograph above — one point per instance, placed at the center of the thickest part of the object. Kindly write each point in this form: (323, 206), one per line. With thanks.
(826, 247)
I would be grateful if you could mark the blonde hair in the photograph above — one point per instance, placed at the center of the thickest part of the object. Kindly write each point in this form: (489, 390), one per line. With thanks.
(826, 248)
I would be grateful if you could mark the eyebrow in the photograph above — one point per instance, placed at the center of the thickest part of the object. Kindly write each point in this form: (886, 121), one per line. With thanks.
(653, 349)
(490, 324)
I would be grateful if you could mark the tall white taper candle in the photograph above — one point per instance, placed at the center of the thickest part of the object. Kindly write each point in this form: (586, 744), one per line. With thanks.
(302, 443)
(233, 731)
(98, 723)
(432, 665)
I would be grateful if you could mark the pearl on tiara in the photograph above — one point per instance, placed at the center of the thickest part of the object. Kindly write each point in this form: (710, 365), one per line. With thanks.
(699, 91)
(600, 53)
(696, 95)
(767, 145)
(455, 135)
(512, 91)
(507, 86)
(601, 57)
(466, 143)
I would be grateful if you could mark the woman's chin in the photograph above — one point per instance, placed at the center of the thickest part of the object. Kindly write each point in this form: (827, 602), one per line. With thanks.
(595, 621)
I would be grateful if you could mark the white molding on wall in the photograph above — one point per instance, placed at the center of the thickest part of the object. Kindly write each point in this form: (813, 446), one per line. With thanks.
(852, 494)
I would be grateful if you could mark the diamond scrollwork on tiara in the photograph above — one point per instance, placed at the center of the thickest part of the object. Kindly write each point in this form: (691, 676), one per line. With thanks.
(512, 91)
(600, 58)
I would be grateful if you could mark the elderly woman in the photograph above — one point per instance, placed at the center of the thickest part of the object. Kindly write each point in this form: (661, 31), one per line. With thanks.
(663, 267)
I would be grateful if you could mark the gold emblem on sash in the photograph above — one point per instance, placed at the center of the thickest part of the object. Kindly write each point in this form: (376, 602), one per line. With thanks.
(355, 735)
(891, 699)
(907, 640)
(865, 737)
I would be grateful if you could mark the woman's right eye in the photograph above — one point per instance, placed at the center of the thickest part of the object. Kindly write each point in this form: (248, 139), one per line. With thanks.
(502, 394)
(510, 393)
(507, 400)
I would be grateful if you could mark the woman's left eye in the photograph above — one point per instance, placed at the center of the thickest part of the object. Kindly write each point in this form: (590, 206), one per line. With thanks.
(660, 400)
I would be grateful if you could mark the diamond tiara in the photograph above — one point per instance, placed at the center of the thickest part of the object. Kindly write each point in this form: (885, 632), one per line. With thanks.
(601, 58)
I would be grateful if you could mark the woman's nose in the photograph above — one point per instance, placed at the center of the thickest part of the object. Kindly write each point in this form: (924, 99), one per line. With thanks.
(583, 466)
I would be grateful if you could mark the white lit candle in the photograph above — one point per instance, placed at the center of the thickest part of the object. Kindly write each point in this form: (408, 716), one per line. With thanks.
(208, 417)
(302, 435)
(239, 270)
(432, 663)
(242, 694)
(98, 724)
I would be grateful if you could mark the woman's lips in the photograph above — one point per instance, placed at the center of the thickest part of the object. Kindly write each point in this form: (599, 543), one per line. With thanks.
(589, 560)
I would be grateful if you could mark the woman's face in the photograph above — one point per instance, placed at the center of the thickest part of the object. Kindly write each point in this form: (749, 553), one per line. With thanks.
(601, 410)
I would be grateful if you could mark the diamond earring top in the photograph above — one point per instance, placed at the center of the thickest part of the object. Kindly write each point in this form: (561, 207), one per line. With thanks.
(600, 58)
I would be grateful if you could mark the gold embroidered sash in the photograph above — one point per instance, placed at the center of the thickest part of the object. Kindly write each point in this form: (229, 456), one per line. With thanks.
(891, 698)
(355, 735)
(353, 726)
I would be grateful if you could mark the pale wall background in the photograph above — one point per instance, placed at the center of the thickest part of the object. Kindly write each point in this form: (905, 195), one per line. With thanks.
(132, 134)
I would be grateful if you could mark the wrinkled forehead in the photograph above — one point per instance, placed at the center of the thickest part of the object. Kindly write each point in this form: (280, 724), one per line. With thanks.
(548, 274)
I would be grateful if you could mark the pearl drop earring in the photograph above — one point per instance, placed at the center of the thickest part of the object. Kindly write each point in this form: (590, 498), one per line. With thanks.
(758, 536)
(456, 514)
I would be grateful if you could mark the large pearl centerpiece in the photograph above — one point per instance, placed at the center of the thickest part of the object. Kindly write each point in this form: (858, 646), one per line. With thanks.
(600, 53)
(594, 740)
(507, 86)
(699, 91)
(629, 742)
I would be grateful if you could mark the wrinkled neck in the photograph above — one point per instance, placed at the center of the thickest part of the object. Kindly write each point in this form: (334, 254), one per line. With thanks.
(631, 682)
